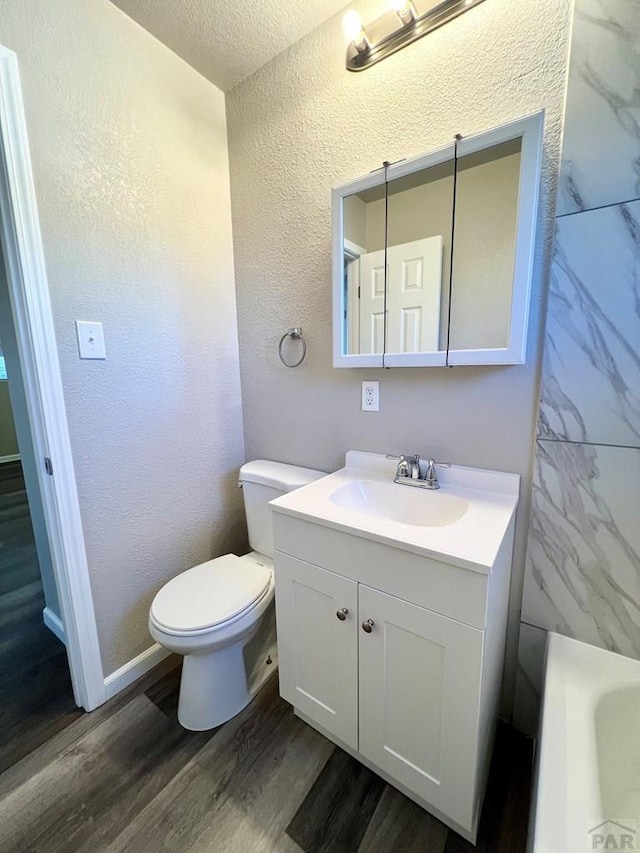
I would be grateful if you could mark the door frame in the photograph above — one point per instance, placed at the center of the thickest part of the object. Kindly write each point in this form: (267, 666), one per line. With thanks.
(21, 242)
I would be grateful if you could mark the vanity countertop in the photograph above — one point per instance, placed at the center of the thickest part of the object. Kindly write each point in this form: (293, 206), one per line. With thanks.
(463, 523)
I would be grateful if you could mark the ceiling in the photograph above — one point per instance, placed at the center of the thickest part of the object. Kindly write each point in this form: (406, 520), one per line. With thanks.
(227, 40)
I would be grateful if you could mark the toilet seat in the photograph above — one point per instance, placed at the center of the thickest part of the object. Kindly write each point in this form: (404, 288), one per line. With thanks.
(210, 595)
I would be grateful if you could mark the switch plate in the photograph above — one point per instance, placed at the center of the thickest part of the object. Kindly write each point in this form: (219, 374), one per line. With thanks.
(370, 397)
(90, 339)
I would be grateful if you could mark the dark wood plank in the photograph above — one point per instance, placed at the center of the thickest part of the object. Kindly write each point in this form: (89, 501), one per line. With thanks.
(165, 691)
(38, 707)
(240, 791)
(36, 697)
(18, 560)
(83, 799)
(65, 738)
(399, 825)
(11, 478)
(336, 812)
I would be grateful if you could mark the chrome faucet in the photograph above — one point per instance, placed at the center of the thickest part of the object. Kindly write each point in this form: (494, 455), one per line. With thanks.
(408, 472)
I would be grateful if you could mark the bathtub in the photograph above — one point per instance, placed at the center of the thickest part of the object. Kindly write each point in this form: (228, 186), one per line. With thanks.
(587, 783)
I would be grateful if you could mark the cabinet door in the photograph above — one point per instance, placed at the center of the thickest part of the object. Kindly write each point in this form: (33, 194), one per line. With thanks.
(419, 700)
(317, 650)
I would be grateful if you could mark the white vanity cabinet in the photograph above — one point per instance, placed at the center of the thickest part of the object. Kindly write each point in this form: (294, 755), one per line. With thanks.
(317, 649)
(396, 657)
(419, 696)
(394, 681)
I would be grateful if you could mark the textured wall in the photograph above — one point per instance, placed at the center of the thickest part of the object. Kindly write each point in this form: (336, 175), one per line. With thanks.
(8, 440)
(226, 39)
(130, 157)
(583, 560)
(302, 124)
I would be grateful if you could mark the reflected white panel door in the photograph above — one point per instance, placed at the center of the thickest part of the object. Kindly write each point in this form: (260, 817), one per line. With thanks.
(318, 644)
(413, 297)
(372, 303)
(419, 700)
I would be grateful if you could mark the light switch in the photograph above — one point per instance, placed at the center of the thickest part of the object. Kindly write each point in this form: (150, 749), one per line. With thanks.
(90, 339)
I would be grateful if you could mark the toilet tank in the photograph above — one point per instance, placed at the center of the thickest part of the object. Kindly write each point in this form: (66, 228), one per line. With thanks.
(263, 481)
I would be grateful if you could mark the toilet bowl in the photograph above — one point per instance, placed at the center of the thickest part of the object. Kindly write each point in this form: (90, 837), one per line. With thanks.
(220, 614)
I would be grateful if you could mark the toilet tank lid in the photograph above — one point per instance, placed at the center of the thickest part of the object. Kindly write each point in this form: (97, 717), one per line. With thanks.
(278, 475)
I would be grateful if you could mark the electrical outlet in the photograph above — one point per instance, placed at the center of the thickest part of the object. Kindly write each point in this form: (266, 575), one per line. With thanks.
(370, 397)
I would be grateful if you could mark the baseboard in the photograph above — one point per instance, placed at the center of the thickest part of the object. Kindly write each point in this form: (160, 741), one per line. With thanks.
(132, 670)
(14, 458)
(54, 624)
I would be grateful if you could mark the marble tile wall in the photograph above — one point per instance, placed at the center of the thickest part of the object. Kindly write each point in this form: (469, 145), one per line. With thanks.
(601, 151)
(591, 378)
(582, 576)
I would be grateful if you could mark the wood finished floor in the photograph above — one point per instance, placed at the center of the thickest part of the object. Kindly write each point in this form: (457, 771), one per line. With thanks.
(36, 698)
(127, 777)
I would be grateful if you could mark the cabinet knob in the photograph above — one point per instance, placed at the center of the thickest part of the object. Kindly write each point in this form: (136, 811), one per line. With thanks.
(367, 626)
(342, 614)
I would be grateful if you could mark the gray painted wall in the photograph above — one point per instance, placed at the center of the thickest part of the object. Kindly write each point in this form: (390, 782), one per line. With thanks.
(301, 125)
(129, 151)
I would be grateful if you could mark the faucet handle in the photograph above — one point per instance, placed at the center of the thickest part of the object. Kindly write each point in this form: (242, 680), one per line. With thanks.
(431, 475)
(415, 467)
(402, 469)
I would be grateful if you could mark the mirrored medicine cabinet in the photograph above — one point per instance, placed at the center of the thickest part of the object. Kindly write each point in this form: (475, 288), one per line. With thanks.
(432, 257)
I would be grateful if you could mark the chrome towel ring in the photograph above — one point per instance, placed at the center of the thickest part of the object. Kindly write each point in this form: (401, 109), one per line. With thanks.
(296, 334)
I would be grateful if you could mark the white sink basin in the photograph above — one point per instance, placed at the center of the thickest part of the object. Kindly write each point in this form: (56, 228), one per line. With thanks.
(463, 523)
(404, 504)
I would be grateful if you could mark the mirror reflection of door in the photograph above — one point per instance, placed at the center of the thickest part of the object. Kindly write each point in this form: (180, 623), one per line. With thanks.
(370, 307)
(411, 316)
(414, 279)
(419, 248)
(364, 320)
(414, 276)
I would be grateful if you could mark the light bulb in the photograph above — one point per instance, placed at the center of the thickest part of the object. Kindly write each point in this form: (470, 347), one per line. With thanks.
(404, 9)
(354, 31)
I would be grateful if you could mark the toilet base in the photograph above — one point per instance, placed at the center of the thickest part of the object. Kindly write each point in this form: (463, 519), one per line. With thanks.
(217, 685)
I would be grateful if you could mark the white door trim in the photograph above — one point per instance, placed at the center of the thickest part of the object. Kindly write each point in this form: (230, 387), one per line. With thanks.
(29, 294)
(54, 624)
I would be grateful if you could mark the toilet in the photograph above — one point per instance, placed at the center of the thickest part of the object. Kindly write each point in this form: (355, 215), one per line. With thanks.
(221, 616)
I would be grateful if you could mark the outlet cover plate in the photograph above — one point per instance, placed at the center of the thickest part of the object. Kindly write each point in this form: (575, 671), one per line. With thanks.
(370, 396)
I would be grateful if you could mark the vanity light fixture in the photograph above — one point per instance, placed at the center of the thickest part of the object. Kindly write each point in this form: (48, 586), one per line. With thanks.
(403, 24)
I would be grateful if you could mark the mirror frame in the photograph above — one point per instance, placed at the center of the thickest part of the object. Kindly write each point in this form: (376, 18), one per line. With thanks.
(530, 130)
